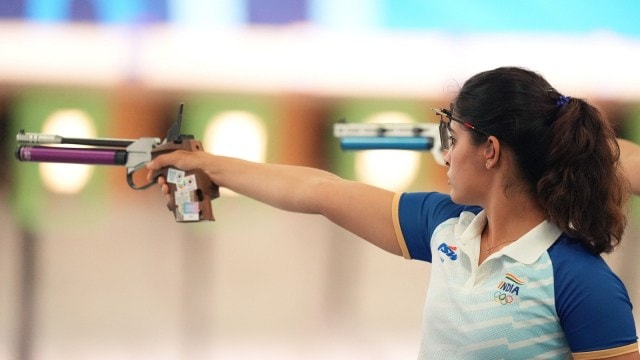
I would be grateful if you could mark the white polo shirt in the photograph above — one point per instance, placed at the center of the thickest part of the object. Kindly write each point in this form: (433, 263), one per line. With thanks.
(543, 296)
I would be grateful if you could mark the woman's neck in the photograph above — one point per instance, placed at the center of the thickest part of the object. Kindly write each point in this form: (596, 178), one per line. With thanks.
(508, 219)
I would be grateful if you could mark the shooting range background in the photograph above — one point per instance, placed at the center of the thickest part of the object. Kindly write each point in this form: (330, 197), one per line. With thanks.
(106, 273)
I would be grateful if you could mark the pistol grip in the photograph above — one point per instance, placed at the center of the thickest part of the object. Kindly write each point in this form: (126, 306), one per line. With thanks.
(191, 192)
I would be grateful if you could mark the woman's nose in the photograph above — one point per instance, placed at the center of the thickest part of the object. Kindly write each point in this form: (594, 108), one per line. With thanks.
(446, 157)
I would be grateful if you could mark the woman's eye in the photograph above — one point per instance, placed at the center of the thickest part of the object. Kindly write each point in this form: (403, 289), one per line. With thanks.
(452, 140)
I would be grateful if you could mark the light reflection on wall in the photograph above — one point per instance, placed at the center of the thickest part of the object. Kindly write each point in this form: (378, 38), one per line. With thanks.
(67, 178)
(239, 134)
(389, 169)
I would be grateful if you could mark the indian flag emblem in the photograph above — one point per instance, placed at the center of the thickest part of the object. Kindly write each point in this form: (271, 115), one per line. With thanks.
(513, 278)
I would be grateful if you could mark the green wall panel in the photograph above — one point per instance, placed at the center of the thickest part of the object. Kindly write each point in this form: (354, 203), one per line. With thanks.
(29, 111)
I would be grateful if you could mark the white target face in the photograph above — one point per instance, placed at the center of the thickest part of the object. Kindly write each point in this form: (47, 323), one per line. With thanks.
(67, 178)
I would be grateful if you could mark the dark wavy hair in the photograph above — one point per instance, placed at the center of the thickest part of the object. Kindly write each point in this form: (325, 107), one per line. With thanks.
(566, 153)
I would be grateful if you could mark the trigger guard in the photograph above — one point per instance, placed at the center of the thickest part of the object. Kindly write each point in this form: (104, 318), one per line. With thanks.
(136, 187)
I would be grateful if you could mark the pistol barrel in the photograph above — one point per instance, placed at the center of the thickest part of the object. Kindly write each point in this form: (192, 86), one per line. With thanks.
(48, 139)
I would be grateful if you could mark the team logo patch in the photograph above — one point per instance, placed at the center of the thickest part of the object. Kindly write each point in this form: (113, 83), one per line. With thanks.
(449, 251)
(508, 289)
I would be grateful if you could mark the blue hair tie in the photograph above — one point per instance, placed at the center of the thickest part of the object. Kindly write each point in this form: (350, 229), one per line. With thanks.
(562, 100)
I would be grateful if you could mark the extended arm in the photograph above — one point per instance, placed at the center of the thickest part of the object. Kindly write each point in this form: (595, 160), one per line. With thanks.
(362, 209)
(630, 158)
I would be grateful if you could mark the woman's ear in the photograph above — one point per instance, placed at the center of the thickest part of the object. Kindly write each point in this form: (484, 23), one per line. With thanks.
(492, 152)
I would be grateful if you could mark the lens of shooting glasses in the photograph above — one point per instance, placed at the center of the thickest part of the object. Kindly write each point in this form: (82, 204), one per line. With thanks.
(444, 133)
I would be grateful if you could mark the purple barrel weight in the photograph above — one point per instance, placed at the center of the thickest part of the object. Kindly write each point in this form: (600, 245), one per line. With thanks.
(88, 156)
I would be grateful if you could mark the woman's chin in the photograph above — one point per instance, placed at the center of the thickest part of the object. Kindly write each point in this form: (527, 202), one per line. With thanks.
(456, 198)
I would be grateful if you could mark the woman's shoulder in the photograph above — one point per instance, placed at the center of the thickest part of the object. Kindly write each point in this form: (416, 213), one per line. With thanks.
(584, 285)
(570, 257)
(577, 271)
(437, 201)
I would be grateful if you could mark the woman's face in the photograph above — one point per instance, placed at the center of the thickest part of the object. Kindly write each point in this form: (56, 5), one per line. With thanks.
(466, 163)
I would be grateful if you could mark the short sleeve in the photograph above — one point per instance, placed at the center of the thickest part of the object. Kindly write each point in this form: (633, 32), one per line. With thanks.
(591, 301)
(417, 216)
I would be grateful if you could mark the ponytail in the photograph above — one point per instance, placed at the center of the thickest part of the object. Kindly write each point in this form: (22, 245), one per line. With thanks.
(583, 190)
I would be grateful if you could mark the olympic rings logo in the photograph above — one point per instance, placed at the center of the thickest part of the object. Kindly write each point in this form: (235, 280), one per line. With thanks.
(502, 298)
